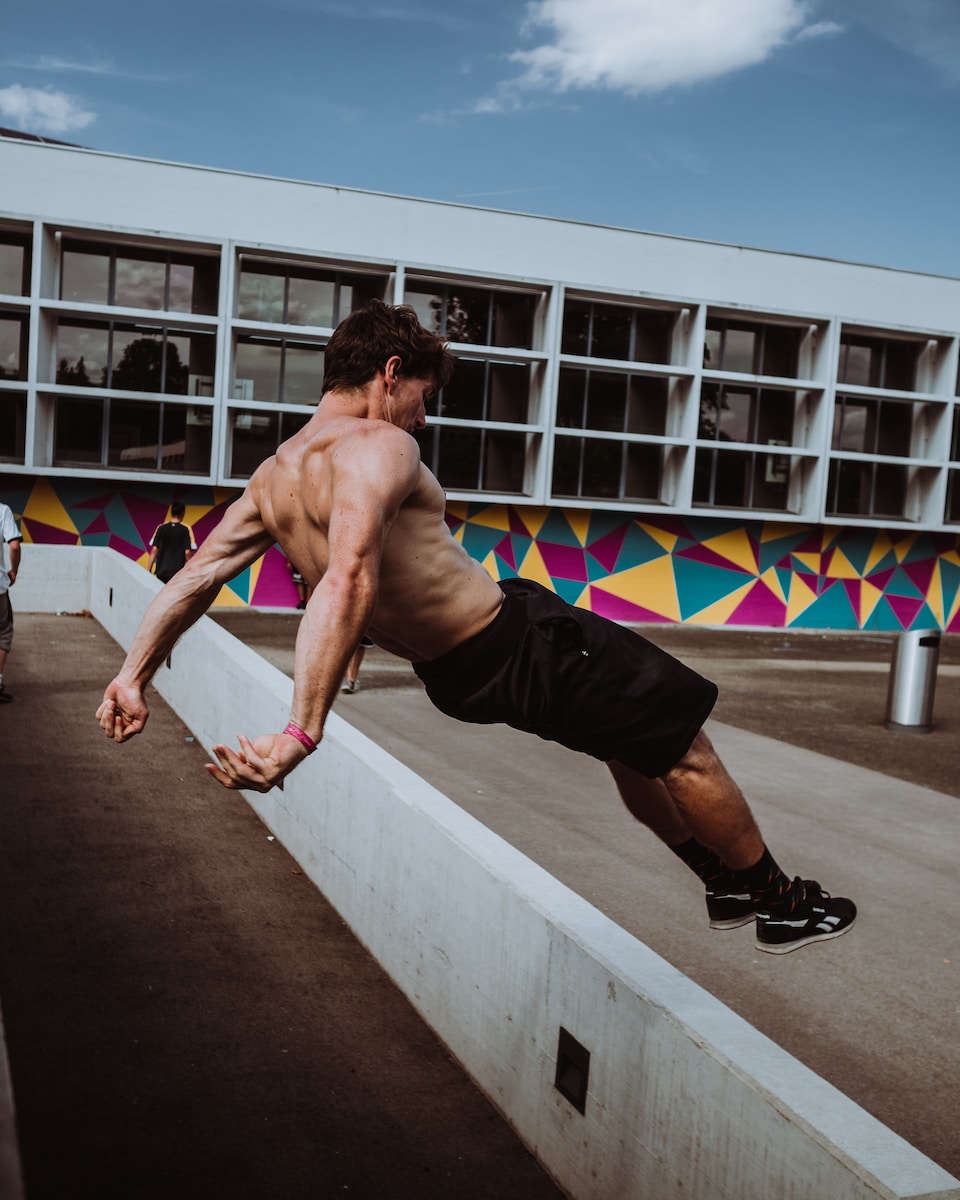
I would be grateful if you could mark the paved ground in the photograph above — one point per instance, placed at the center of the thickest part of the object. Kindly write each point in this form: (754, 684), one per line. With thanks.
(186, 1016)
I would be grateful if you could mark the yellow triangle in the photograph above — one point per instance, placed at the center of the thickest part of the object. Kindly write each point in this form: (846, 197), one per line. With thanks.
(870, 597)
(840, 567)
(494, 517)
(228, 598)
(935, 595)
(533, 519)
(720, 611)
(533, 567)
(799, 600)
(457, 509)
(954, 609)
(660, 536)
(651, 585)
(810, 560)
(878, 551)
(579, 522)
(45, 505)
(772, 580)
(772, 531)
(736, 548)
(489, 564)
(904, 546)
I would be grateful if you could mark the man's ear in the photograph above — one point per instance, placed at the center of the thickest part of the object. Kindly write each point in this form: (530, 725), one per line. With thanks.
(391, 370)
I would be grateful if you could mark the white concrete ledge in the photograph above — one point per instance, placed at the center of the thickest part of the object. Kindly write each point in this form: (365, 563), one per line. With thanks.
(685, 1099)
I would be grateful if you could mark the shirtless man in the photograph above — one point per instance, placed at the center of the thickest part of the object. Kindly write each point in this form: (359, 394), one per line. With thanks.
(348, 500)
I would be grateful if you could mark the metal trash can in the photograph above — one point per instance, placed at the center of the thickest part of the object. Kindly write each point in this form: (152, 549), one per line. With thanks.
(913, 678)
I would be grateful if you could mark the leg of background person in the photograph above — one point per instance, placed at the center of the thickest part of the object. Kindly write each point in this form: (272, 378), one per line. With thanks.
(353, 669)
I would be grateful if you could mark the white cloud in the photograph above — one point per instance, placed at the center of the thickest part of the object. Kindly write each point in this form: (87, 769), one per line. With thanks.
(42, 110)
(638, 46)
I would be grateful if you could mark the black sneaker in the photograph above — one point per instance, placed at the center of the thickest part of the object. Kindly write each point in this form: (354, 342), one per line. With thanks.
(729, 909)
(816, 917)
(5, 697)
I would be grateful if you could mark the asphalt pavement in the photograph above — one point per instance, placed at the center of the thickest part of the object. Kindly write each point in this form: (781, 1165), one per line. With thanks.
(186, 1016)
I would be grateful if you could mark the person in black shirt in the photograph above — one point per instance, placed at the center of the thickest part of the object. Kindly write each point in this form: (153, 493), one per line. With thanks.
(171, 545)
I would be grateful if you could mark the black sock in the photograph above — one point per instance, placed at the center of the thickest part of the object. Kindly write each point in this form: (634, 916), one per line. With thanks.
(704, 863)
(766, 882)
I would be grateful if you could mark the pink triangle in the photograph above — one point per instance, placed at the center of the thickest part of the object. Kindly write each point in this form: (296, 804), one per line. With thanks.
(853, 588)
(759, 607)
(615, 608)
(905, 608)
(516, 523)
(564, 562)
(606, 550)
(921, 573)
(709, 557)
(505, 549)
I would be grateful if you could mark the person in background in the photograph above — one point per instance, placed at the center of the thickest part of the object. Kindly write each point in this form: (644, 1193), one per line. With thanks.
(10, 539)
(350, 683)
(171, 545)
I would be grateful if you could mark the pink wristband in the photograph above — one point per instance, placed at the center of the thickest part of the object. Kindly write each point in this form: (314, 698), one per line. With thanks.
(303, 738)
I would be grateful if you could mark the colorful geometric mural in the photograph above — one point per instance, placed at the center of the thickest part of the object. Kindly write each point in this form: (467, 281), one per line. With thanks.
(634, 568)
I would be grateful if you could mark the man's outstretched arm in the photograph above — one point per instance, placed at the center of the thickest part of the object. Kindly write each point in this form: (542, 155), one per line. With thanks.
(237, 541)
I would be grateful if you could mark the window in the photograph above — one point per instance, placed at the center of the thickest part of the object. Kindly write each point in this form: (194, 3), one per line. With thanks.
(953, 498)
(474, 315)
(470, 460)
(607, 469)
(739, 479)
(486, 391)
(867, 489)
(13, 427)
(14, 264)
(132, 435)
(746, 414)
(612, 401)
(751, 349)
(133, 357)
(278, 370)
(877, 362)
(598, 330)
(296, 294)
(256, 434)
(868, 426)
(13, 345)
(139, 277)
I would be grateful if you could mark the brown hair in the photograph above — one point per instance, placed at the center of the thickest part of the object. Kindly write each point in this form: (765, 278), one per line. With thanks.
(362, 343)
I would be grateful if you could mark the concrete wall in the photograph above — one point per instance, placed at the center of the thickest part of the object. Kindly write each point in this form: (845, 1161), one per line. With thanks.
(685, 1098)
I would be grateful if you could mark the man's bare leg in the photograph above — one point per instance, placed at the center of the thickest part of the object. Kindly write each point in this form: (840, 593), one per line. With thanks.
(697, 798)
(701, 814)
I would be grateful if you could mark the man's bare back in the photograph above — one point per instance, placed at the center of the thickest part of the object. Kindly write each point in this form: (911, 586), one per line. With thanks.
(430, 594)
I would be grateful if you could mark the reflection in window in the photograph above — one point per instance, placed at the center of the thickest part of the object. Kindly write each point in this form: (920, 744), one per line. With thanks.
(621, 331)
(866, 489)
(470, 460)
(613, 402)
(740, 479)
(878, 362)
(486, 391)
(606, 469)
(14, 264)
(132, 435)
(134, 358)
(953, 498)
(955, 439)
(13, 346)
(867, 426)
(159, 280)
(278, 370)
(13, 427)
(744, 414)
(256, 434)
(751, 348)
(293, 294)
(473, 315)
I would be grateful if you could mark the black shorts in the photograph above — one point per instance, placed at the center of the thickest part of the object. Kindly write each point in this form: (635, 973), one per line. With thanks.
(6, 622)
(573, 677)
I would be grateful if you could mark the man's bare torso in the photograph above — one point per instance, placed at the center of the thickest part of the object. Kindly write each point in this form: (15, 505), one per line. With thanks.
(431, 595)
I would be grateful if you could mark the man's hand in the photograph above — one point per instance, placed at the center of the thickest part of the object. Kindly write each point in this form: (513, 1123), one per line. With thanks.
(260, 765)
(123, 711)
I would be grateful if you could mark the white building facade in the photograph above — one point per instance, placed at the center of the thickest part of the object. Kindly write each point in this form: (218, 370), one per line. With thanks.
(660, 428)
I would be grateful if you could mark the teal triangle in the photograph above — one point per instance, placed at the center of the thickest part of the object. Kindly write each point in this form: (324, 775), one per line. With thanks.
(556, 528)
(770, 553)
(595, 571)
(700, 584)
(949, 582)
(857, 548)
(831, 610)
(889, 560)
(638, 547)
(479, 540)
(568, 589)
(882, 619)
(241, 585)
(925, 619)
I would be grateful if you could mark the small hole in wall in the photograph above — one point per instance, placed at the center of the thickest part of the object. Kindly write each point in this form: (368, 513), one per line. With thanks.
(111, 598)
(573, 1070)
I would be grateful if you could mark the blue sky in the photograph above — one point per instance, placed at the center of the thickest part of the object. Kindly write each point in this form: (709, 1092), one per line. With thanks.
(824, 127)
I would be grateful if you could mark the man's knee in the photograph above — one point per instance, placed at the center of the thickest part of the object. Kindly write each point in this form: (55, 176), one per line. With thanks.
(700, 759)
